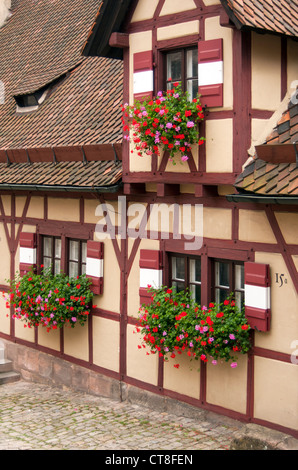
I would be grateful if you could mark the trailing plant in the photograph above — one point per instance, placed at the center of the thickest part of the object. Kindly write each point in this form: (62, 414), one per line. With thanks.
(50, 300)
(173, 323)
(169, 122)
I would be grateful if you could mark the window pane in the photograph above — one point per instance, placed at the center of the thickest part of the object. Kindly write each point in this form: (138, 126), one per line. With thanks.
(239, 276)
(47, 263)
(239, 299)
(192, 88)
(174, 66)
(221, 295)
(73, 269)
(222, 274)
(178, 268)
(195, 270)
(179, 286)
(57, 248)
(192, 63)
(57, 266)
(84, 252)
(47, 246)
(195, 290)
(74, 250)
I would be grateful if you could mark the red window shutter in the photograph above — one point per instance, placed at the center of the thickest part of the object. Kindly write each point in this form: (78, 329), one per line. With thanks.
(143, 75)
(210, 72)
(257, 282)
(150, 273)
(28, 248)
(94, 265)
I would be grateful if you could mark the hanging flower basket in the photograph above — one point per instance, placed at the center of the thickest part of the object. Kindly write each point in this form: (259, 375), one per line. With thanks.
(173, 323)
(48, 300)
(167, 123)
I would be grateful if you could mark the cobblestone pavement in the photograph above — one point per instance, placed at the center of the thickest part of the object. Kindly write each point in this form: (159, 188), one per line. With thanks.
(39, 417)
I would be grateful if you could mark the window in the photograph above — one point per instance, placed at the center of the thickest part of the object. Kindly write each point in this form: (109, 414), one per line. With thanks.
(186, 273)
(226, 277)
(229, 277)
(182, 66)
(77, 252)
(51, 254)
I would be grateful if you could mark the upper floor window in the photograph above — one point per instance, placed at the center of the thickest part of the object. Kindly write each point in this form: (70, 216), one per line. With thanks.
(182, 67)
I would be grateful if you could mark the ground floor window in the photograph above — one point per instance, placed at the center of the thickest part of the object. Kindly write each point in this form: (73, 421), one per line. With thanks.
(75, 252)
(186, 273)
(225, 277)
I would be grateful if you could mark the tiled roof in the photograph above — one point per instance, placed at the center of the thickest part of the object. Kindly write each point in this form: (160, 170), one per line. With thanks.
(68, 175)
(278, 16)
(272, 178)
(41, 42)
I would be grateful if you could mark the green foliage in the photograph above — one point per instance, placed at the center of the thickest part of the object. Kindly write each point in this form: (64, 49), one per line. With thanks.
(173, 323)
(168, 123)
(50, 300)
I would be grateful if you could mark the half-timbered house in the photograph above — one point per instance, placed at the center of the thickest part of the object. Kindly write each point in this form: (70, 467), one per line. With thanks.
(60, 182)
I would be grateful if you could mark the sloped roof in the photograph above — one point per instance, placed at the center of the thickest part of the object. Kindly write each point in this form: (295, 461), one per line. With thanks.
(66, 175)
(278, 16)
(41, 45)
(278, 174)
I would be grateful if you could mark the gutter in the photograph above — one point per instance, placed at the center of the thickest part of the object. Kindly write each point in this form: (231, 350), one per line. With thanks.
(35, 187)
(259, 199)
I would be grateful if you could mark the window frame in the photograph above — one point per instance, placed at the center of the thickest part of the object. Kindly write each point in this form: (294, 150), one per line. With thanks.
(184, 78)
(187, 281)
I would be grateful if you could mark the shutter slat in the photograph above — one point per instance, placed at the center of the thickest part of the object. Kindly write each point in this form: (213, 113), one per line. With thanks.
(143, 75)
(94, 265)
(150, 273)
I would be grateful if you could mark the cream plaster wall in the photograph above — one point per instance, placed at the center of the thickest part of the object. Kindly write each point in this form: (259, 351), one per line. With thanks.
(6, 201)
(4, 256)
(219, 145)
(49, 339)
(64, 209)
(254, 227)
(185, 379)
(176, 6)
(36, 207)
(110, 299)
(106, 347)
(276, 397)
(133, 283)
(23, 332)
(288, 222)
(217, 223)
(4, 319)
(266, 71)
(226, 386)
(292, 65)
(144, 10)
(213, 30)
(284, 307)
(178, 30)
(76, 342)
(140, 365)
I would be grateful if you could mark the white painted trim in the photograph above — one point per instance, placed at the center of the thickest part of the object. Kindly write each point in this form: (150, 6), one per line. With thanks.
(143, 81)
(152, 277)
(27, 255)
(94, 267)
(257, 297)
(210, 73)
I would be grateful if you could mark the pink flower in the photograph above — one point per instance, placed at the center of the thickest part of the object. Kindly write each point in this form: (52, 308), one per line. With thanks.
(73, 319)
(234, 364)
(184, 158)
